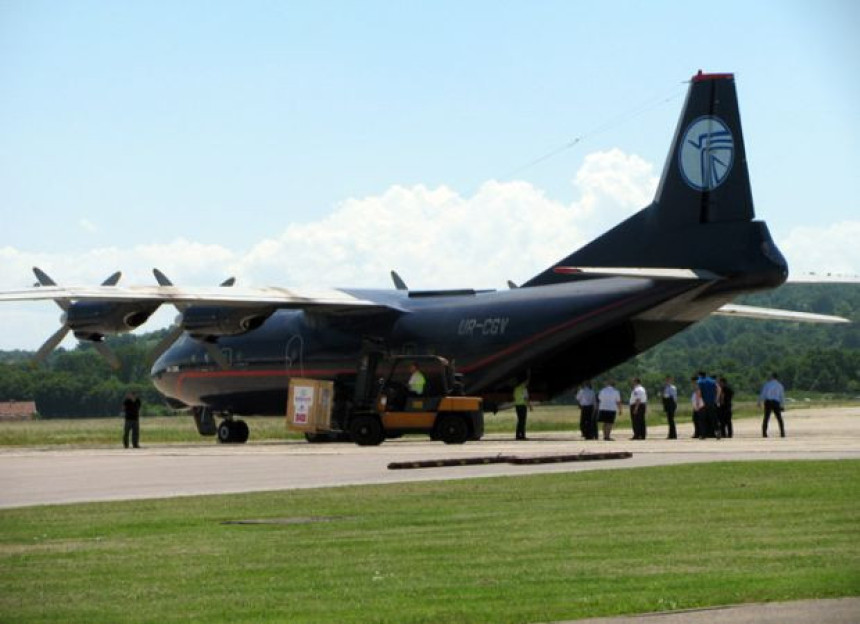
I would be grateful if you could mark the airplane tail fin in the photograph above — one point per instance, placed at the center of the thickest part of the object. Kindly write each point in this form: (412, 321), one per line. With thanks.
(702, 214)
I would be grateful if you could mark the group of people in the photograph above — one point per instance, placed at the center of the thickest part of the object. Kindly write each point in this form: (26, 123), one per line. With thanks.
(710, 401)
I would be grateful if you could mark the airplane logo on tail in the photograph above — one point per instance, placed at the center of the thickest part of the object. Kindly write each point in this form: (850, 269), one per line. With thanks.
(706, 154)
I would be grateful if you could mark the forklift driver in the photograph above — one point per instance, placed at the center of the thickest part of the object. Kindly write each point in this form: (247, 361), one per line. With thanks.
(417, 380)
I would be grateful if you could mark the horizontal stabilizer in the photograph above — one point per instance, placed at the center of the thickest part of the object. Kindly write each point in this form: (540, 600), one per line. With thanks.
(643, 272)
(774, 314)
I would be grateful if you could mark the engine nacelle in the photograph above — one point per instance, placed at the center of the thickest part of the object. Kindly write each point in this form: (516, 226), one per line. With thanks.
(212, 321)
(91, 320)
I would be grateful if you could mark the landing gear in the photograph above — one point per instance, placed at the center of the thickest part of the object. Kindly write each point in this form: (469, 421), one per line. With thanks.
(233, 432)
(204, 420)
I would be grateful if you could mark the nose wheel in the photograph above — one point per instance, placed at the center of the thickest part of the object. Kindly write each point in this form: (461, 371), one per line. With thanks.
(233, 432)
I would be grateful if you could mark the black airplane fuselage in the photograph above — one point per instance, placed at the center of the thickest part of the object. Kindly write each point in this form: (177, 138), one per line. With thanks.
(561, 334)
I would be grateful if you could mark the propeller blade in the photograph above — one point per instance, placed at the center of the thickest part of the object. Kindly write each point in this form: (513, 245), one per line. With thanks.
(216, 355)
(161, 278)
(165, 343)
(399, 284)
(45, 280)
(113, 279)
(107, 354)
(43, 277)
(50, 344)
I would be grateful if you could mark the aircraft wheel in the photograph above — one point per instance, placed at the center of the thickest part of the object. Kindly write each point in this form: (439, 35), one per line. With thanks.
(241, 432)
(226, 432)
(452, 429)
(366, 431)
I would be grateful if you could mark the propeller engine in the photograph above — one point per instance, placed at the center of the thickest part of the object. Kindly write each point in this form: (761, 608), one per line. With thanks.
(208, 323)
(91, 321)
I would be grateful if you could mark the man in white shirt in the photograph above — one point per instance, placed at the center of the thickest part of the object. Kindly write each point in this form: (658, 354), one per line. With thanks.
(587, 415)
(773, 396)
(638, 407)
(608, 406)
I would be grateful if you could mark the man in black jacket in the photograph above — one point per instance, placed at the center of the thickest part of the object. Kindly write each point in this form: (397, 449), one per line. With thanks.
(725, 410)
(131, 411)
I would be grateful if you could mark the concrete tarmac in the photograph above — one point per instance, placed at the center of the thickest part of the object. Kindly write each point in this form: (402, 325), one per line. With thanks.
(71, 475)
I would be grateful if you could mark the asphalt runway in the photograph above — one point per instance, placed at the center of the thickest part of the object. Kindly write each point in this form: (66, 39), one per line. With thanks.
(55, 476)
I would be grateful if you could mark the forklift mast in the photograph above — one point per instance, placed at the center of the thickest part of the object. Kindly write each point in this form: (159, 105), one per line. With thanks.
(366, 383)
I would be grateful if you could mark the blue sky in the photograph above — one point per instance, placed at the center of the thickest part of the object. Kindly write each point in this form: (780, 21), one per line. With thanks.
(328, 142)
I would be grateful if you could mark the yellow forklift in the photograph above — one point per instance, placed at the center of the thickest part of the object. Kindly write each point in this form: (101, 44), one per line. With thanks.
(384, 407)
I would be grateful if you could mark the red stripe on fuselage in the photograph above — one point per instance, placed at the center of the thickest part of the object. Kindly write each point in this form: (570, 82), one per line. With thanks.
(547, 332)
(287, 372)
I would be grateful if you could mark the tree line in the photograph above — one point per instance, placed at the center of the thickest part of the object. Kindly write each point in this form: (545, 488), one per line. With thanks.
(808, 358)
(79, 383)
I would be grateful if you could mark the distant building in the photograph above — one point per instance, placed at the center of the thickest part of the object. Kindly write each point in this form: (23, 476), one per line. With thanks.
(17, 410)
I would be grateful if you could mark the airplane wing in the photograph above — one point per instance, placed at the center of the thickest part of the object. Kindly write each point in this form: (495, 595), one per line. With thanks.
(734, 310)
(93, 312)
(774, 314)
(238, 297)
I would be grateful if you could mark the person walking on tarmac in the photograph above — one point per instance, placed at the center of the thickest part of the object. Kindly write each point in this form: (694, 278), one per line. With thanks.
(587, 411)
(773, 396)
(670, 406)
(608, 407)
(417, 381)
(131, 412)
(522, 404)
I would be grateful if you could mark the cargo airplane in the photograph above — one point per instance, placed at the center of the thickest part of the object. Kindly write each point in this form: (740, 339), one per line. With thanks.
(685, 256)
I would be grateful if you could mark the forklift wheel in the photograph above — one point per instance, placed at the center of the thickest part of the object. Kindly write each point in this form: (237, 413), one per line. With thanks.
(366, 431)
(452, 429)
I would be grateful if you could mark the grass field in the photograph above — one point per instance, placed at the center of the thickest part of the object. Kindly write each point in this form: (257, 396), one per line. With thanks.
(508, 549)
(180, 429)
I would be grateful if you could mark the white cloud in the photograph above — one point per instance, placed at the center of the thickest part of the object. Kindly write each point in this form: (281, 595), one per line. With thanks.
(823, 249)
(438, 238)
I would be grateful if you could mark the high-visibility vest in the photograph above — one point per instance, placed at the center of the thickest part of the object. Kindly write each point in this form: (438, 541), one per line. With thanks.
(417, 382)
(521, 394)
